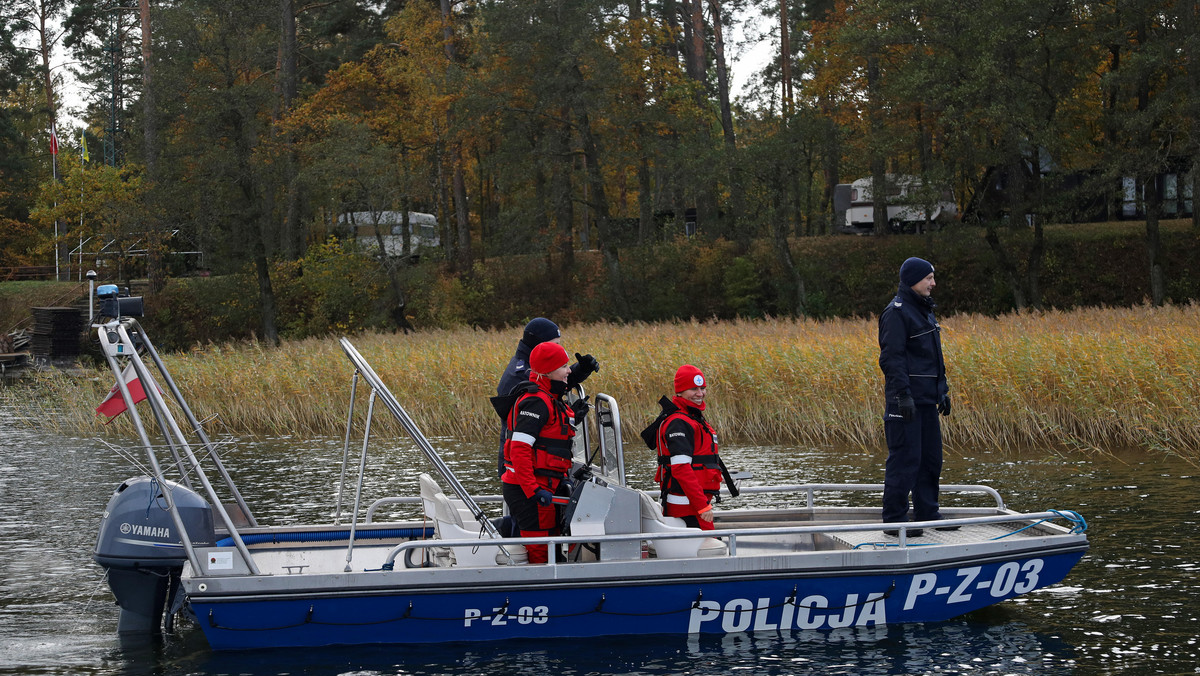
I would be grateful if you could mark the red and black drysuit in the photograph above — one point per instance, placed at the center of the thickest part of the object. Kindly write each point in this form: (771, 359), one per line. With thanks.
(689, 470)
(537, 454)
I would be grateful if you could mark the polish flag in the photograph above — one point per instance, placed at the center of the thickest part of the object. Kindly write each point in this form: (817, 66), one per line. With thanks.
(114, 404)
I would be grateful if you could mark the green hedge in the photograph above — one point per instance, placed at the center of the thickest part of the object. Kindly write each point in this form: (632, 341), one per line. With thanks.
(332, 291)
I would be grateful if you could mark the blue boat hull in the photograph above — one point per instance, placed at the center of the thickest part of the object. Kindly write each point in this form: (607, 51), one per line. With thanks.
(738, 602)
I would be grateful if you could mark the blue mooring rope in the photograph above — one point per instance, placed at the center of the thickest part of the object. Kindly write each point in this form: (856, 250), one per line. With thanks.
(1078, 525)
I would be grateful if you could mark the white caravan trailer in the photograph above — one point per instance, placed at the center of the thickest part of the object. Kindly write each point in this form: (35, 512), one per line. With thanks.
(908, 207)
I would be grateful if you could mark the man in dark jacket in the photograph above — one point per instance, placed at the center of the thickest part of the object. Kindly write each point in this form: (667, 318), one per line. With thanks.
(910, 355)
(539, 330)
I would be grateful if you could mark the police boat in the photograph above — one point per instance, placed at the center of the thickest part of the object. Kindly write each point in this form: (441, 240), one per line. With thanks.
(183, 541)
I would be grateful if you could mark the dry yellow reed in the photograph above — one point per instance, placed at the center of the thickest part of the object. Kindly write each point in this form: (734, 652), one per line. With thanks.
(1094, 380)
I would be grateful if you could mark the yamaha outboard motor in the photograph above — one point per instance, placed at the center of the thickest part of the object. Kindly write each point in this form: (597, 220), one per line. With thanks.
(142, 551)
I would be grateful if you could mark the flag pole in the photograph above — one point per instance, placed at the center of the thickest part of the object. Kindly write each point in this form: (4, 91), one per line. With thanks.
(54, 173)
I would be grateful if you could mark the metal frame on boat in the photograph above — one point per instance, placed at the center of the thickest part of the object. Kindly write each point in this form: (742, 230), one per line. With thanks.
(623, 568)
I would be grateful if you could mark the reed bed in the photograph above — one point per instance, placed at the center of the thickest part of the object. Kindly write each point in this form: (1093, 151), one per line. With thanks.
(1094, 380)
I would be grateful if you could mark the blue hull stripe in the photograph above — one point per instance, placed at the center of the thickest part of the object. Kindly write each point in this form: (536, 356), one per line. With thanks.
(712, 607)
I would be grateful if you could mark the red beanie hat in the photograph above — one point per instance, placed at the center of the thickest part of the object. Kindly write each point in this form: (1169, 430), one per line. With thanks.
(547, 357)
(687, 377)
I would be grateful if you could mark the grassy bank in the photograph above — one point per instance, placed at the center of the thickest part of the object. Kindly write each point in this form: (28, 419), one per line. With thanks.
(1086, 380)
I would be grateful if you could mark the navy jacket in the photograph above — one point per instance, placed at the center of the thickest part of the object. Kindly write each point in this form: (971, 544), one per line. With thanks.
(910, 350)
(517, 371)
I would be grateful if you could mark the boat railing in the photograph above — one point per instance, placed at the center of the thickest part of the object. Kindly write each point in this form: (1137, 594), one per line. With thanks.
(809, 490)
(380, 391)
(731, 535)
(123, 340)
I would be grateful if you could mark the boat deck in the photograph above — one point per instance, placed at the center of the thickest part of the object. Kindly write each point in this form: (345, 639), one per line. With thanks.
(933, 536)
(330, 557)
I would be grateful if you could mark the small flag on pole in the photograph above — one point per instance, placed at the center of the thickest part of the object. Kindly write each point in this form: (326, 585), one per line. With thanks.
(53, 143)
(83, 143)
(114, 404)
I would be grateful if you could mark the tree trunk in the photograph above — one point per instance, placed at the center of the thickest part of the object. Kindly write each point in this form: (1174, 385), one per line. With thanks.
(156, 245)
(645, 202)
(670, 15)
(1007, 268)
(1037, 251)
(783, 252)
(831, 165)
(291, 240)
(878, 159)
(266, 298)
(461, 217)
(722, 76)
(697, 68)
(255, 218)
(458, 181)
(736, 197)
(399, 317)
(43, 16)
(1191, 24)
(1154, 241)
(562, 197)
(804, 196)
(599, 205)
(785, 60)
(445, 229)
(1149, 186)
(51, 110)
(695, 45)
(149, 110)
(543, 193)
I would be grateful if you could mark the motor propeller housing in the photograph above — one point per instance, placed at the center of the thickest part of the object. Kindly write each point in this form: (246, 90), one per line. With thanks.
(141, 549)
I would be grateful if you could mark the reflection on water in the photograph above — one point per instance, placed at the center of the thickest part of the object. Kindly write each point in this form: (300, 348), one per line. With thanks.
(1131, 606)
(960, 647)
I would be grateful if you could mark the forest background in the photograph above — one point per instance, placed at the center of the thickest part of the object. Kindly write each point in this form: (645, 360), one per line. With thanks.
(587, 160)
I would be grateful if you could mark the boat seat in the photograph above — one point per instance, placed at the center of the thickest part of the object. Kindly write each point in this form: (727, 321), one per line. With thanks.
(429, 489)
(653, 521)
(449, 525)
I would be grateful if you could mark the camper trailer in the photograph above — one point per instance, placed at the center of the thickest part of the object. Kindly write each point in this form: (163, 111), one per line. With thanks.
(423, 230)
(907, 211)
(1175, 195)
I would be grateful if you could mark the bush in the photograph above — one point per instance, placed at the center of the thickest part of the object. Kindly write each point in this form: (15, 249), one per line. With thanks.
(332, 290)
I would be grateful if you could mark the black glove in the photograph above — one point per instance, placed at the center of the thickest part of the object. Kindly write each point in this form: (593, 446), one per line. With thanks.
(906, 407)
(544, 497)
(944, 405)
(579, 408)
(565, 487)
(587, 363)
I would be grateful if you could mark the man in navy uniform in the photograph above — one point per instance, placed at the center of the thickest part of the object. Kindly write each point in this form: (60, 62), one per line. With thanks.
(916, 392)
(537, 331)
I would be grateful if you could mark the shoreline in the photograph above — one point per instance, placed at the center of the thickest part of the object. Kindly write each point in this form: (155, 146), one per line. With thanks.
(1083, 380)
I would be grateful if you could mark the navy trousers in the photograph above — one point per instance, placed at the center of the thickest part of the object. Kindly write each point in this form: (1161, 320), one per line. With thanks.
(914, 466)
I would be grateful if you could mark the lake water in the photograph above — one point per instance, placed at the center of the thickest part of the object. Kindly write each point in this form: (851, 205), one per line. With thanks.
(1132, 606)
